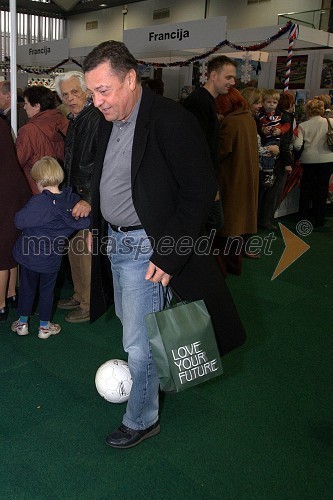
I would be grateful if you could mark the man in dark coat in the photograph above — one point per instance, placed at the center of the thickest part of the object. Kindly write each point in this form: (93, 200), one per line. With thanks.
(152, 178)
(5, 105)
(80, 151)
(221, 76)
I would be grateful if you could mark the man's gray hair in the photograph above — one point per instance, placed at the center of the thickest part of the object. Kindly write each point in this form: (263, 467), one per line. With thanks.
(67, 76)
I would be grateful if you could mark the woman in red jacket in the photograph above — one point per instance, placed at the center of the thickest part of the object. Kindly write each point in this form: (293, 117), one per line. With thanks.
(44, 134)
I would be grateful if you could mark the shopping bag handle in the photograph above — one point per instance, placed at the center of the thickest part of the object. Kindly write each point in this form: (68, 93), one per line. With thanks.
(176, 295)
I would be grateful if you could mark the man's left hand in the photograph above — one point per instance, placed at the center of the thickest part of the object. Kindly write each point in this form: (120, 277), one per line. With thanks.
(156, 275)
(81, 209)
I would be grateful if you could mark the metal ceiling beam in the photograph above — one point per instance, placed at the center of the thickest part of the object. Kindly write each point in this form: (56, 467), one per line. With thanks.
(66, 4)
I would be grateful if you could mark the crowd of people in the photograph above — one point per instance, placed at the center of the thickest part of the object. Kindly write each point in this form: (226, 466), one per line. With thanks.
(142, 172)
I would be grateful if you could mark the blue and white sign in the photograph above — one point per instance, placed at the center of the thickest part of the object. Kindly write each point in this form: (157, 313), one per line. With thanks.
(205, 33)
(44, 53)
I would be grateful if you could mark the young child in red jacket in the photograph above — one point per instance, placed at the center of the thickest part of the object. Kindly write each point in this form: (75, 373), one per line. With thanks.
(273, 125)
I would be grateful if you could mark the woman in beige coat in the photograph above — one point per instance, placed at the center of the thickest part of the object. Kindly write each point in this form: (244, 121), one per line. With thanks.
(239, 174)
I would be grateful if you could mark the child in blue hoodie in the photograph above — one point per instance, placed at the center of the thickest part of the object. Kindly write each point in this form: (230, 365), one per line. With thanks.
(46, 222)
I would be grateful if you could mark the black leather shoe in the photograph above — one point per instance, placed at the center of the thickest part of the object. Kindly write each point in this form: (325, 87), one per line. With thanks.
(3, 313)
(124, 437)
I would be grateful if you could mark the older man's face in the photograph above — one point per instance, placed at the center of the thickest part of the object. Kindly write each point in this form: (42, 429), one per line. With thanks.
(114, 96)
(73, 95)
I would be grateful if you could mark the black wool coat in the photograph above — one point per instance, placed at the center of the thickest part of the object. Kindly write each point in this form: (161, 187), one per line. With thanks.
(173, 188)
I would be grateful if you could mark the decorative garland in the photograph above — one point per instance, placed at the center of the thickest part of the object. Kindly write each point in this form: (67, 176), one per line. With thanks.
(203, 72)
(46, 82)
(251, 48)
(293, 33)
(246, 68)
(39, 71)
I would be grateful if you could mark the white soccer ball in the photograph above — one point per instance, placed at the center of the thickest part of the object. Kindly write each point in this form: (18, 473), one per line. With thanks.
(113, 381)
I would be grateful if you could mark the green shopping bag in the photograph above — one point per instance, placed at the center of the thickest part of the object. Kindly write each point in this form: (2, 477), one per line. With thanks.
(183, 346)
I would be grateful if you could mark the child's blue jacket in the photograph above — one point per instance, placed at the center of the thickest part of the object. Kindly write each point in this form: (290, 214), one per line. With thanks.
(46, 222)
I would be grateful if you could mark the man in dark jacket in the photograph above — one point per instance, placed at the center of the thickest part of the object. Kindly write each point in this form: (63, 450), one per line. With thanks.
(152, 186)
(5, 105)
(221, 75)
(80, 151)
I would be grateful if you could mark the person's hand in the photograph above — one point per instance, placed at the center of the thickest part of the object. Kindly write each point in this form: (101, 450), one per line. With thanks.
(266, 130)
(288, 169)
(276, 131)
(81, 209)
(156, 275)
(273, 149)
(89, 241)
(217, 197)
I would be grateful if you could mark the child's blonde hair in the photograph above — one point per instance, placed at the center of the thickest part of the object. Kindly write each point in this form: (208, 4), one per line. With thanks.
(270, 94)
(47, 172)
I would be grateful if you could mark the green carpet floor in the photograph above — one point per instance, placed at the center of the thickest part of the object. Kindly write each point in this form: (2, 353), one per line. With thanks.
(263, 430)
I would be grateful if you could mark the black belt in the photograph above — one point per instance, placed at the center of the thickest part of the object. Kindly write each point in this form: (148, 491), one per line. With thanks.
(124, 229)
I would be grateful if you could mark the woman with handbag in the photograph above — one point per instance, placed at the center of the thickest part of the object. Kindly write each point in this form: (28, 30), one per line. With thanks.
(316, 160)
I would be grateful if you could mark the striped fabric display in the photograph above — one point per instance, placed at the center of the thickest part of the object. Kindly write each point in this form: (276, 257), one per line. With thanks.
(292, 37)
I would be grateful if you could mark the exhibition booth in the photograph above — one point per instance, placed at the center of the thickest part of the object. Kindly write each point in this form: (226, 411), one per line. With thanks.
(179, 53)
(177, 48)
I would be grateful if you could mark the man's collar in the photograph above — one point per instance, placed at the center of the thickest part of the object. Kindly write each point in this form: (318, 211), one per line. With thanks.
(133, 114)
(88, 103)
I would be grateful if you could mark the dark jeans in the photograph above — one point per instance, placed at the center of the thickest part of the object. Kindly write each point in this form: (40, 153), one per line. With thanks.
(268, 162)
(270, 198)
(28, 286)
(314, 188)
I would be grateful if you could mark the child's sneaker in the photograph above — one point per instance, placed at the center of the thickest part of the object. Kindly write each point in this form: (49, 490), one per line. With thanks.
(44, 332)
(20, 328)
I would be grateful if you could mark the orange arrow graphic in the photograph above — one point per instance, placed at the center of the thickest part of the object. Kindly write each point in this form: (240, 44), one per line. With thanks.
(295, 247)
